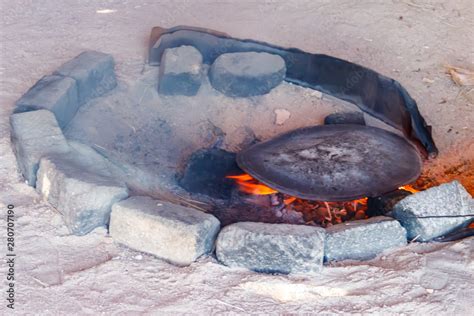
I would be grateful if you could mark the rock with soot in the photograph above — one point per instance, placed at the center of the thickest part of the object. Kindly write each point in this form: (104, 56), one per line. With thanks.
(356, 118)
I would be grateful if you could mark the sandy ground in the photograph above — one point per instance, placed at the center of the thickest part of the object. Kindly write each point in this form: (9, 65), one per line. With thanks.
(407, 40)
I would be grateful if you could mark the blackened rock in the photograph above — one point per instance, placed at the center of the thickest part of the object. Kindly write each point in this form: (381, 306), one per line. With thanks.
(384, 204)
(271, 248)
(434, 212)
(363, 239)
(247, 74)
(206, 172)
(93, 72)
(34, 135)
(356, 118)
(55, 93)
(180, 71)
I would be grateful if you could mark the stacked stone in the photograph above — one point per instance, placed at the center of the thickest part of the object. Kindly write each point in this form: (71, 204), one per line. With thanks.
(71, 181)
(89, 75)
(242, 74)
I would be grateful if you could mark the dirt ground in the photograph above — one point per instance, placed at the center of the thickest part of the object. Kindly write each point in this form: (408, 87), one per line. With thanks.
(411, 41)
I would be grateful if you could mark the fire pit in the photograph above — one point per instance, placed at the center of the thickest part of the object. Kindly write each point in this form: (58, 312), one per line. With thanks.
(170, 157)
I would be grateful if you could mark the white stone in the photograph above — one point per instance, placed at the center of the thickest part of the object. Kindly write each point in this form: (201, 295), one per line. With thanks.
(169, 231)
(80, 190)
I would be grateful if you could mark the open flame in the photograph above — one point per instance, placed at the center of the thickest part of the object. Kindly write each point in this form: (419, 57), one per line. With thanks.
(248, 184)
(409, 188)
(321, 212)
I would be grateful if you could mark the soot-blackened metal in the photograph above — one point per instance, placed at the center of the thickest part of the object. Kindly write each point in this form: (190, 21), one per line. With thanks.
(333, 162)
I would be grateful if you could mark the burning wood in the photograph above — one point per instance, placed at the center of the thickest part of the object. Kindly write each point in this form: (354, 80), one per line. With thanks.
(318, 213)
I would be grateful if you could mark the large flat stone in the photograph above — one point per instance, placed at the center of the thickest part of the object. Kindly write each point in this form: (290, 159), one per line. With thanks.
(93, 72)
(434, 212)
(34, 135)
(171, 232)
(55, 93)
(363, 239)
(180, 71)
(247, 74)
(81, 190)
(272, 248)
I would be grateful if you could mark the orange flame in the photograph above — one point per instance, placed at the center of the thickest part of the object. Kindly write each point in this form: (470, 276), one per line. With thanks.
(249, 185)
(362, 201)
(409, 188)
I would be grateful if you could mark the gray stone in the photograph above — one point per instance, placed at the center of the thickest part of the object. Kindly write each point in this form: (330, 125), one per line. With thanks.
(271, 248)
(434, 212)
(81, 190)
(55, 93)
(247, 74)
(93, 72)
(180, 71)
(363, 239)
(169, 231)
(34, 135)
(356, 118)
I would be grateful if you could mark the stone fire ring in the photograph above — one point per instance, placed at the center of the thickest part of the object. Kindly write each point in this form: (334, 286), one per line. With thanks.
(78, 182)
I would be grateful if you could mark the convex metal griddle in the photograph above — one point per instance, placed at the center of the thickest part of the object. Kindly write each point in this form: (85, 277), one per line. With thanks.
(333, 162)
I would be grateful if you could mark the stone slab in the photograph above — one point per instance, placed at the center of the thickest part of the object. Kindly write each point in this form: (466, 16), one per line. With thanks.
(93, 72)
(272, 248)
(247, 74)
(169, 231)
(434, 212)
(180, 71)
(83, 194)
(34, 135)
(55, 93)
(363, 239)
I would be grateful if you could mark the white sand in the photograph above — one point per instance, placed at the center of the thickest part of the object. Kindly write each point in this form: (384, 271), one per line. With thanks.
(436, 279)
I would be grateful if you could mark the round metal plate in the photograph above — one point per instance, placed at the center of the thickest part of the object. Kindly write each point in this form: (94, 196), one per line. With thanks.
(333, 162)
